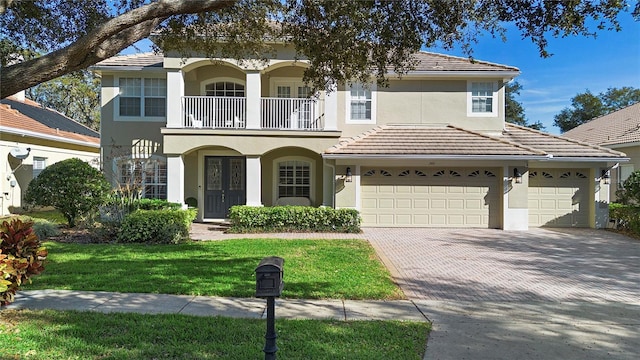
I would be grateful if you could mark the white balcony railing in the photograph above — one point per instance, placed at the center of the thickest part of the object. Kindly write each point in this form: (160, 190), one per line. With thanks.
(214, 112)
(230, 113)
(292, 114)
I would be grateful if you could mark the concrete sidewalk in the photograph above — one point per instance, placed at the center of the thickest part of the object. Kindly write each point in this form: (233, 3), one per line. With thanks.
(216, 306)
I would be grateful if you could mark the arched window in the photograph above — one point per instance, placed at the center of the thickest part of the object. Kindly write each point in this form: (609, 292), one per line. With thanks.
(224, 89)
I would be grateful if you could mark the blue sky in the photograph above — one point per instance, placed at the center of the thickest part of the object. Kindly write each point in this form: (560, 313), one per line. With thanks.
(612, 59)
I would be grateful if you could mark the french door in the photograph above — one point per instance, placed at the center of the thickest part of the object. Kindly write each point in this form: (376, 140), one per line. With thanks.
(224, 185)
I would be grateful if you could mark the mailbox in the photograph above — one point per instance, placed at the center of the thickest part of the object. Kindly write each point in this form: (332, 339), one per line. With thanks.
(269, 277)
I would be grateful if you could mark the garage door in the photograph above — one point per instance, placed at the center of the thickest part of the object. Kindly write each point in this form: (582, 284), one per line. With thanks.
(429, 197)
(558, 198)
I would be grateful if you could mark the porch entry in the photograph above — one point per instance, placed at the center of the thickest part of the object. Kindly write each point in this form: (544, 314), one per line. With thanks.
(224, 185)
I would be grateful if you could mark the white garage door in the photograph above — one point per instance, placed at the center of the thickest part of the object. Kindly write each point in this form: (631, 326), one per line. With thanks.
(429, 197)
(558, 198)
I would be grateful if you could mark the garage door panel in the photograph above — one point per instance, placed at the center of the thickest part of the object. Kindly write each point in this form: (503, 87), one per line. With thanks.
(555, 199)
(448, 199)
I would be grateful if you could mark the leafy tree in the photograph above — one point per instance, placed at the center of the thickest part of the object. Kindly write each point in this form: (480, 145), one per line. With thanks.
(586, 106)
(72, 186)
(344, 40)
(514, 111)
(76, 95)
(630, 191)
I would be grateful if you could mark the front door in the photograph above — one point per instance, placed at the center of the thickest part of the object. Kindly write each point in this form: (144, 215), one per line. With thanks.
(224, 180)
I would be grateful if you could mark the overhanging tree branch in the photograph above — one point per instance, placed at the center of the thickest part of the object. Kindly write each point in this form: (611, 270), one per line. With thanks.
(103, 42)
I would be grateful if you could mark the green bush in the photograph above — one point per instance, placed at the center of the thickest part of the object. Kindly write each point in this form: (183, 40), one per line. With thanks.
(156, 226)
(21, 257)
(630, 191)
(157, 204)
(627, 217)
(45, 229)
(71, 186)
(293, 219)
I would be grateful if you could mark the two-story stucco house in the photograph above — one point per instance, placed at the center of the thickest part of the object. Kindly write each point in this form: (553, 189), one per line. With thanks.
(432, 149)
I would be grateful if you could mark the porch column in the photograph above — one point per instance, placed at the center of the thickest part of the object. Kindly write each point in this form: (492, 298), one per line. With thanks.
(175, 178)
(254, 181)
(331, 109)
(253, 100)
(175, 92)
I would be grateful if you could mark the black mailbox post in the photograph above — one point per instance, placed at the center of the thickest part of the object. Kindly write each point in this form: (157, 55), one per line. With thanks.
(269, 284)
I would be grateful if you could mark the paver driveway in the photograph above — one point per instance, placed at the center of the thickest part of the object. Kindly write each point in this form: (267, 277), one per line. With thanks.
(495, 265)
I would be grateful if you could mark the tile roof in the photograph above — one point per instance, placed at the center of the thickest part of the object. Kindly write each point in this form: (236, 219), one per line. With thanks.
(449, 141)
(138, 60)
(30, 116)
(428, 61)
(619, 127)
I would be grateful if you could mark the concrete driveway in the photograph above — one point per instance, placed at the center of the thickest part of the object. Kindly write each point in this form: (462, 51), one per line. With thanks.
(539, 294)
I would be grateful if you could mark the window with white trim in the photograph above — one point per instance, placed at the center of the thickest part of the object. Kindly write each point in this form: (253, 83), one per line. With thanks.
(224, 88)
(147, 176)
(39, 163)
(482, 98)
(142, 97)
(361, 104)
(294, 179)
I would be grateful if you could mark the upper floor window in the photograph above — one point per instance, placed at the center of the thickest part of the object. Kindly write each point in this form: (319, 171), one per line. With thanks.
(482, 98)
(361, 104)
(224, 88)
(142, 97)
(39, 163)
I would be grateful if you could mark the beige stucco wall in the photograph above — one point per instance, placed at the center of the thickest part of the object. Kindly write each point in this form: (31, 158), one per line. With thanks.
(53, 152)
(633, 153)
(424, 102)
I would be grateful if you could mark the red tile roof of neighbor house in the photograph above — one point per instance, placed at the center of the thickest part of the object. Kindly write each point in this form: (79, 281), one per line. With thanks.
(618, 127)
(425, 62)
(29, 117)
(449, 141)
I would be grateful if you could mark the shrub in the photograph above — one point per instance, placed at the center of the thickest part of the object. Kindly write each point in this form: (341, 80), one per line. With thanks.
(71, 186)
(293, 218)
(21, 257)
(45, 229)
(630, 191)
(627, 216)
(156, 226)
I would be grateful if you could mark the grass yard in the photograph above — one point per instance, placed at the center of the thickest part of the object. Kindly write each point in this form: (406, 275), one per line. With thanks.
(313, 269)
(50, 335)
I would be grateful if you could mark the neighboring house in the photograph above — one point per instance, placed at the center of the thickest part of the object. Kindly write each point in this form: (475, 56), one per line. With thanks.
(432, 149)
(619, 130)
(32, 138)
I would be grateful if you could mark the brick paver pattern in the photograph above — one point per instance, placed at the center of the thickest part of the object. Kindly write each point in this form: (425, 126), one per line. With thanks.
(495, 265)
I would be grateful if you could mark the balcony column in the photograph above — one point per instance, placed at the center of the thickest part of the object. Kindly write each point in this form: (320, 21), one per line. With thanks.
(331, 109)
(253, 89)
(175, 178)
(175, 92)
(254, 181)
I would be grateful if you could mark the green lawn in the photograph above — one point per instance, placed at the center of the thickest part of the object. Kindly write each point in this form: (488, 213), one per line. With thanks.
(50, 335)
(313, 269)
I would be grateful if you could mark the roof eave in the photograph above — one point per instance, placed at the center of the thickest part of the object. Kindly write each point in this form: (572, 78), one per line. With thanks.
(433, 157)
(461, 73)
(14, 131)
(588, 159)
(127, 68)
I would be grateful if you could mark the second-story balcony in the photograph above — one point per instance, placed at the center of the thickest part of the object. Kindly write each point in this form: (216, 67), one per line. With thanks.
(212, 112)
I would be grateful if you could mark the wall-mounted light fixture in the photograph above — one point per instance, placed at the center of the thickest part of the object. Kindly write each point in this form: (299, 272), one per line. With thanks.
(606, 177)
(517, 176)
(349, 175)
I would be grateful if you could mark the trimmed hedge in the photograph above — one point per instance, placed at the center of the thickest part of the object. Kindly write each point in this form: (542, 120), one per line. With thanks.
(156, 226)
(627, 216)
(247, 219)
